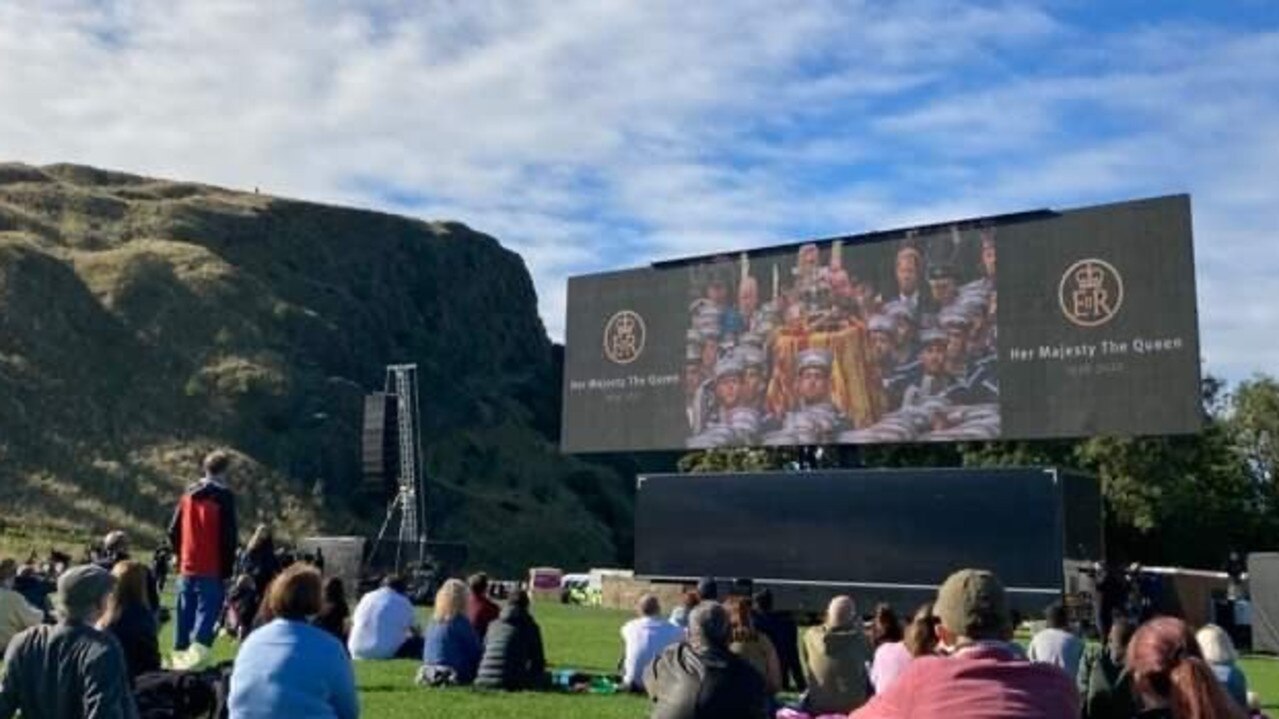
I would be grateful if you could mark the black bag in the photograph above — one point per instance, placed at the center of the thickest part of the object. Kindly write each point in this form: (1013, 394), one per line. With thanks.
(173, 695)
(184, 695)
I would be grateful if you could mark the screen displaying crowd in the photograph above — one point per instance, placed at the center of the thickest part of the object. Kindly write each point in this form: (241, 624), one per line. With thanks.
(880, 342)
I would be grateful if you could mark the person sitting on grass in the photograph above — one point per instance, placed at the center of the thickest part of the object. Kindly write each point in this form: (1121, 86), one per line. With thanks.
(920, 637)
(258, 560)
(1055, 644)
(288, 668)
(1104, 684)
(115, 549)
(384, 625)
(752, 645)
(131, 619)
(891, 654)
(514, 658)
(335, 615)
(451, 645)
(480, 610)
(69, 669)
(836, 653)
(781, 630)
(643, 638)
(240, 615)
(1221, 656)
(16, 613)
(1171, 678)
(982, 677)
(700, 678)
(679, 615)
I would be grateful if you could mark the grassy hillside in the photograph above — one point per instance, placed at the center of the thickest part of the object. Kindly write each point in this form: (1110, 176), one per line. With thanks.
(143, 322)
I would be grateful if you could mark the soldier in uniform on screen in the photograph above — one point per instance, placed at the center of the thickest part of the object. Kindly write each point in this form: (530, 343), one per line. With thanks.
(732, 421)
(931, 378)
(815, 419)
(943, 292)
(754, 375)
(956, 326)
(895, 371)
(904, 327)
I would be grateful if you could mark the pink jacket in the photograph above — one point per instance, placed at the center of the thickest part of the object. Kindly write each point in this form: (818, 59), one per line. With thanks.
(983, 681)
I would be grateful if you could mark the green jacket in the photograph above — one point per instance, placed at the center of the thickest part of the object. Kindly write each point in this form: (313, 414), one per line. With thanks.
(836, 661)
(1105, 687)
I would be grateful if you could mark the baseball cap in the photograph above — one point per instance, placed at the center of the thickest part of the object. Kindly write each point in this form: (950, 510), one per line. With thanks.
(83, 587)
(971, 603)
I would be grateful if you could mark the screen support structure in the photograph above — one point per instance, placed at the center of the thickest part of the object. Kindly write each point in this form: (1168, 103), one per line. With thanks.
(409, 504)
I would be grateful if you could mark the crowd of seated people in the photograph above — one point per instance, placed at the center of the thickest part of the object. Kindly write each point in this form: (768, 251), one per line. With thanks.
(955, 657)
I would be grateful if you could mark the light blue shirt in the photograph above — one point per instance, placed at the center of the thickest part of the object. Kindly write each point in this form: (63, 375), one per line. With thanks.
(380, 624)
(292, 669)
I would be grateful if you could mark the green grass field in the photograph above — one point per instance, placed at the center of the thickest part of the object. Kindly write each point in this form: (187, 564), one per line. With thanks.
(575, 637)
(578, 638)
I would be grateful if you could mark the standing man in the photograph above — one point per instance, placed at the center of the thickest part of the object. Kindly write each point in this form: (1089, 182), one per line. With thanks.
(203, 534)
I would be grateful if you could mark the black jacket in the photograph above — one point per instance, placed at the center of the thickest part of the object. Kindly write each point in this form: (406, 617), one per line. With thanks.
(138, 634)
(153, 587)
(261, 564)
(710, 684)
(513, 655)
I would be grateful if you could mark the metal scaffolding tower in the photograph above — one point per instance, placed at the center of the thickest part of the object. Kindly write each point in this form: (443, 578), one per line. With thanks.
(409, 503)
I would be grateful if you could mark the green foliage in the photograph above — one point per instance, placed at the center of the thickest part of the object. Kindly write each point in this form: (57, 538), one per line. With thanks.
(1254, 417)
(1183, 500)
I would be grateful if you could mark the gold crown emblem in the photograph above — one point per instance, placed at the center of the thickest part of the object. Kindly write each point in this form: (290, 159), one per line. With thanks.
(624, 336)
(1091, 292)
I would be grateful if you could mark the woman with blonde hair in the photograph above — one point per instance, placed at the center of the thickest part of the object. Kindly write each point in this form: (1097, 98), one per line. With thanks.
(130, 618)
(451, 645)
(1221, 656)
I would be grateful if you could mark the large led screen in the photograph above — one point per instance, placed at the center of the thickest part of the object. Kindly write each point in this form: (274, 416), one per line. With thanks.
(1043, 324)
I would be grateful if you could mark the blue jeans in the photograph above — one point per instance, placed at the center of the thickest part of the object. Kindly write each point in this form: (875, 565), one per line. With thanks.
(199, 606)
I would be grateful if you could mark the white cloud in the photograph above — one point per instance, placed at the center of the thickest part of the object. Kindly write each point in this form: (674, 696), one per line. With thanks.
(588, 134)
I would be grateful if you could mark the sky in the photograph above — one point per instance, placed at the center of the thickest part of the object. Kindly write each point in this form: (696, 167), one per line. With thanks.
(599, 134)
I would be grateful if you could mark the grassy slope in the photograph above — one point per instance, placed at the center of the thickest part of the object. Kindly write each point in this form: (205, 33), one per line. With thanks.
(144, 322)
(577, 638)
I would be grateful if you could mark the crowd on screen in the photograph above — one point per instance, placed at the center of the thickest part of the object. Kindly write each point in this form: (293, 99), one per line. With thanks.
(91, 649)
(872, 343)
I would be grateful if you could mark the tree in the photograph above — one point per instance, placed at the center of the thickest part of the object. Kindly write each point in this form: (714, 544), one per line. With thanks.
(1255, 418)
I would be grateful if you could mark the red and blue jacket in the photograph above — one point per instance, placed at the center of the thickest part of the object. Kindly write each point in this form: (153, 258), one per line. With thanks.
(203, 532)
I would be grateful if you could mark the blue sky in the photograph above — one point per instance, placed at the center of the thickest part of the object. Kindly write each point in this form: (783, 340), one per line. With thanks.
(595, 134)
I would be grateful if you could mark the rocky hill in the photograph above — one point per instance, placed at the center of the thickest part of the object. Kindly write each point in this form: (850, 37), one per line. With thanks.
(143, 322)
